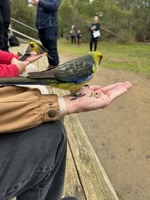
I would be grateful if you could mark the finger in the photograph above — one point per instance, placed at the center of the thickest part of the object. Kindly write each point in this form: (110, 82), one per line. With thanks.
(116, 86)
(115, 93)
(40, 55)
(43, 54)
(95, 87)
(126, 85)
(110, 87)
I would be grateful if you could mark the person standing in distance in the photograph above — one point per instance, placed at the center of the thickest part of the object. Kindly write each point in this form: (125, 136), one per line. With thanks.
(4, 24)
(47, 25)
(79, 37)
(73, 34)
(94, 38)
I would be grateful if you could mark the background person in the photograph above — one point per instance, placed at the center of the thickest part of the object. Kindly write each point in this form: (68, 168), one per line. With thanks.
(10, 65)
(4, 24)
(73, 34)
(47, 25)
(94, 27)
(79, 37)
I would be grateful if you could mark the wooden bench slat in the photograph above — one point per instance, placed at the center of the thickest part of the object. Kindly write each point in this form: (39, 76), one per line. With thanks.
(92, 175)
(72, 183)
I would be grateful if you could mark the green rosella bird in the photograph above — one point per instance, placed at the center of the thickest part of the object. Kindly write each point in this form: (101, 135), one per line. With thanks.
(71, 75)
(38, 48)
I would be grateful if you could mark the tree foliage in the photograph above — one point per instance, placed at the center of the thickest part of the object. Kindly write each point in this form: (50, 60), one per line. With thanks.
(25, 14)
(122, 20)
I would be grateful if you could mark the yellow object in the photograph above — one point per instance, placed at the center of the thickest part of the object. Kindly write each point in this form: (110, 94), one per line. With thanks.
(38, 48)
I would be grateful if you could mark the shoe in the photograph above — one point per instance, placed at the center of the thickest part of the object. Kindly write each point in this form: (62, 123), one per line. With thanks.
(69, 198)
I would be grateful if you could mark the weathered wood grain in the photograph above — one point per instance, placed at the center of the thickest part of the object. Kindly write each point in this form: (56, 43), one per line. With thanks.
(73, 186)
(91, 173)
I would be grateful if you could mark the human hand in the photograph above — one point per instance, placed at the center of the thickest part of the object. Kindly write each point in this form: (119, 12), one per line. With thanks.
(95, 97)
(35, 2)
(34, 57)
(21, 65)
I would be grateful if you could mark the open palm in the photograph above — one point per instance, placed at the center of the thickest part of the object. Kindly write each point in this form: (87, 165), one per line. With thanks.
(97, 97)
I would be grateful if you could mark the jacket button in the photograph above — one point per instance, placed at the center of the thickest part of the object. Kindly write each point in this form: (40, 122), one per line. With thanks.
(52, 113)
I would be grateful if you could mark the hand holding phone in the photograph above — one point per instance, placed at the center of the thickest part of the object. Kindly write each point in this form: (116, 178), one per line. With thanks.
(24, 57)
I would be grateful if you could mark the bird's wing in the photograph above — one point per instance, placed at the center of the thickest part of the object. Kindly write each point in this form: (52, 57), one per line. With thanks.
(42, 48)
(78, 70)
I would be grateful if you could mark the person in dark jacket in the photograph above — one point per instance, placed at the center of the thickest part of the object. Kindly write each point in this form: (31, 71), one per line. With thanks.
(79, 37)
(4, 24)
(95, 28)
(47, 25)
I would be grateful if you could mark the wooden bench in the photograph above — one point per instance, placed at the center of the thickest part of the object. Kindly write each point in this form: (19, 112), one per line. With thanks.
(85, 176)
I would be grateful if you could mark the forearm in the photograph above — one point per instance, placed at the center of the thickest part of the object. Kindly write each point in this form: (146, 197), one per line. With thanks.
(8, 70)
(5, 57)
(23, 108)
(10, 66)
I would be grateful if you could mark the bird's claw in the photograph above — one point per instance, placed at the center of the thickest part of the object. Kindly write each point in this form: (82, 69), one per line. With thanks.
(75, 96)
(87, 86)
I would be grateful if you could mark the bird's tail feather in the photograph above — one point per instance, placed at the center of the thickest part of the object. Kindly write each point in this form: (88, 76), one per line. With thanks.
(50, 57)
(43, 74)
(19, 80)
(25, 81)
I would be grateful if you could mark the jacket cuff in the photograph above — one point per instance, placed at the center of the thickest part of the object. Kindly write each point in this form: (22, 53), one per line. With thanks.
(50, 107)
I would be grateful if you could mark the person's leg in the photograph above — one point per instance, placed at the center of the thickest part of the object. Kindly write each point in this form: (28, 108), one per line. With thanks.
(6, 18)
(80, 41)
(71, 39)
(91, 43)
(48, 38)
(95, 43)
(74, 39)
(32, 164)
(1, 27)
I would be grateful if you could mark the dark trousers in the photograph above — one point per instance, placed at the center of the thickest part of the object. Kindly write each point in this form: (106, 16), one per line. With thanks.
(32, 163)
(48, 37)
(4, 23)
(95, 42)
(73, 39)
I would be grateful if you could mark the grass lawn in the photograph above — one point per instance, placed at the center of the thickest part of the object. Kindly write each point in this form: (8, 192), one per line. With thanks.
(135, 57)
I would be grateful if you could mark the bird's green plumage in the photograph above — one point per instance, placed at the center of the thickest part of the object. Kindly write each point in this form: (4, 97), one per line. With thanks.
(38, 48)
(71, 75)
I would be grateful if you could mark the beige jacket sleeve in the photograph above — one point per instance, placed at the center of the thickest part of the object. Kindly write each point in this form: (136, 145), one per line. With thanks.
(23, 108)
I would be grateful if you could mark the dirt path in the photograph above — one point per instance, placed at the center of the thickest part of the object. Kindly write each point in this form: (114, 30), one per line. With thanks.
(120, 134)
